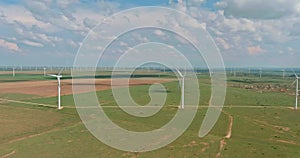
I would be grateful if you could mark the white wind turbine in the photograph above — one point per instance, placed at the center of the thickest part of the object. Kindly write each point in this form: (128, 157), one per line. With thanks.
(260, 72)
(182, 88)
(44, 71)
(283, 74)
(14, 72)
(297, 90)
(58, 76)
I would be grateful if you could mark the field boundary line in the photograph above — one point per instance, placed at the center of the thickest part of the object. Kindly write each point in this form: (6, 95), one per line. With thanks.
(28, 103)
(39, 134)
(9, 154)
(235, 106)
(48, 105)
(188, 106)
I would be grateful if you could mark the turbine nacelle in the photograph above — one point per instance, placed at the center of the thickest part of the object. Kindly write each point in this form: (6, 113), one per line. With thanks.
(57, 76)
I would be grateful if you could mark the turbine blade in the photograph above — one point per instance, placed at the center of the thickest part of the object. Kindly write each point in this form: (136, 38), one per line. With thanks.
(180, 74)
(61, 70)
(292, 84)
(295, 73)
(52, 75)
(180, 83)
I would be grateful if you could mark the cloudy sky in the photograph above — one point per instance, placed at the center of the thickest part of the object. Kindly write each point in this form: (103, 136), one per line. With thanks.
(250, 33)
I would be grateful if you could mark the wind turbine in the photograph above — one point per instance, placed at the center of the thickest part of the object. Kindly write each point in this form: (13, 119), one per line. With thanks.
(58, 76)
(14, 72)
(297, 90)
(182, 88)
(234, 72)
(249, 71)
(44, 71)
(283, 74)
(260, 72)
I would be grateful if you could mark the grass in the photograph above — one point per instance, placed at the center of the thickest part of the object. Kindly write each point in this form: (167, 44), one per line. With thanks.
(264, 133)
(19, 122)
(22, 77)
(270, 130)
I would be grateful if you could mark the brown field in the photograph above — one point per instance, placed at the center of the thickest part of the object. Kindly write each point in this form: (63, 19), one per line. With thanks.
(49, 88)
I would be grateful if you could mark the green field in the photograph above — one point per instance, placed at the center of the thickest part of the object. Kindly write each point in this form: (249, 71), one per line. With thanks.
(263, 124)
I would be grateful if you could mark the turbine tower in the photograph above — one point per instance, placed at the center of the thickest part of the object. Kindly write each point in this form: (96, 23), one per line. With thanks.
(260, 72)
(182, 88)
(14, 72)
(44, 71)
(58, 76)
(297, 90)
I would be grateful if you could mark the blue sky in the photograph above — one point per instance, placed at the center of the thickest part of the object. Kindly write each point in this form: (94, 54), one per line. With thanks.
(248, 33)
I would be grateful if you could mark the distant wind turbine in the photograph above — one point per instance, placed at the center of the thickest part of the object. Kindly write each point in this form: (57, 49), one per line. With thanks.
(283, 73)
(44, 71)
(260, 72)
(182, 88)
(58, 76)
(297, 90)
(14, 72)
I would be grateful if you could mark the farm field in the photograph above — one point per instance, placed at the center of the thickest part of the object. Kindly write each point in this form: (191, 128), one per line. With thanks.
(257, 118)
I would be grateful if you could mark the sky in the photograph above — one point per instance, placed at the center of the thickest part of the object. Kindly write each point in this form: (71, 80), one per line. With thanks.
(248, 33)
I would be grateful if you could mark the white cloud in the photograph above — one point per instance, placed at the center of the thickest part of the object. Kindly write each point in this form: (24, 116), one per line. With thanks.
(297, 7)
(255, 50)
(13, 14)
(239, 24)
(9, 45)
(240, 27)
(239, 37)
(159, 33)
(33, 44)
(65, 3)
(89, 23)
(123, 44)
(195, 3)
(223, 43)
(259, 9)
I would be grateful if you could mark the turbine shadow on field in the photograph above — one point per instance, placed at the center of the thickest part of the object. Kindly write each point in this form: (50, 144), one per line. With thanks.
(161, 91)
(120, 76)
(105, 84)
